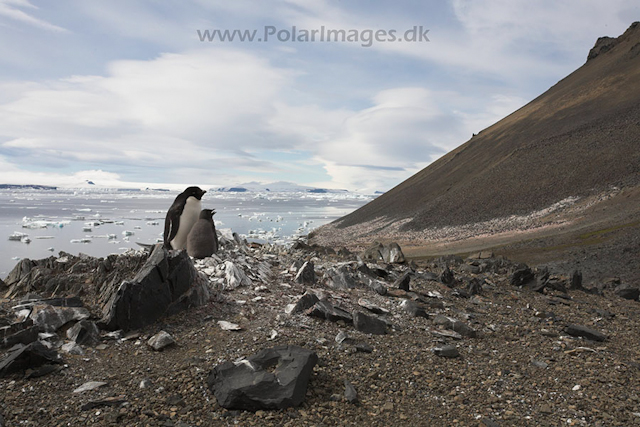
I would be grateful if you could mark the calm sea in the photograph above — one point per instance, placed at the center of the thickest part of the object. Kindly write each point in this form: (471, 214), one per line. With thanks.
(99, 223)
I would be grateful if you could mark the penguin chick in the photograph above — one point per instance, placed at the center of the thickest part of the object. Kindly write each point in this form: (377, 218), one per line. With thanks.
(181, 216)
(203, 240)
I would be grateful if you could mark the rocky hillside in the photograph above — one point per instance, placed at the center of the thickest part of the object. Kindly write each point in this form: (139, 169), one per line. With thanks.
(265, 335)
(575, 144)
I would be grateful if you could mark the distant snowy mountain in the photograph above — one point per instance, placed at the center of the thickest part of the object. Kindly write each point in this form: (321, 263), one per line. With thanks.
(276, 187)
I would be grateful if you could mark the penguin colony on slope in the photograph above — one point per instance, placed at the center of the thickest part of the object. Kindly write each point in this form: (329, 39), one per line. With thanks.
(188, 226)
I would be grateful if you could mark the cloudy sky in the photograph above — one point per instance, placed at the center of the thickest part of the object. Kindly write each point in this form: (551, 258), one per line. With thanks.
(133, 92)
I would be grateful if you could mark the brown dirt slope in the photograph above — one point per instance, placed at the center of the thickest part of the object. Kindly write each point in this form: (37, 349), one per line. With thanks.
(577, 139)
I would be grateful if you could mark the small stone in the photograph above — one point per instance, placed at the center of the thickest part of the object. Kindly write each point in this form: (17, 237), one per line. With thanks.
(583, 331)
(369, 324)
(539, 364)
(403, 282)
(576, 280)
(545, 408)
(350, 392)
(341, 337)
(72, 348)
(364, 348)
(161, 340)
(446, 277)
(88, 386)
(475, 286)
(175, 399)
(414, 309)
(488, 422)
(627, 291)
(228, 326)
(455, 325)
(448, 351)
(372, 307)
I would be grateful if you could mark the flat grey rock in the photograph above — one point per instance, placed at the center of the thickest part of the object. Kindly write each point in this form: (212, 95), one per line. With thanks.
(274, 378)
(90, 385)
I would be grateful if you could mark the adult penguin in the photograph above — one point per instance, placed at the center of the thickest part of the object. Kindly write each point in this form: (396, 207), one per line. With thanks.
(203, 240)
(181, 216)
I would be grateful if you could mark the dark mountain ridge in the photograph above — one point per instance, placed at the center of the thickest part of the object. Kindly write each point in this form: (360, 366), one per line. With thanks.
(578, 138)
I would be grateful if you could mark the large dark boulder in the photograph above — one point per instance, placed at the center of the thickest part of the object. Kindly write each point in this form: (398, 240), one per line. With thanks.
(166, 284)
(403, 282)
(85, 332)
(340, 278)
(306, 274)
(522, 276)
(275, 378)
(369, 324)
(627, 291)
(326, 310)
(18, 333)
(306, 301)
(22, 357)
(447, 277)
(391, 253)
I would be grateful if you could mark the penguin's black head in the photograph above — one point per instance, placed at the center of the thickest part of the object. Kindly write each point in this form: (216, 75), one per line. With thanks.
(196, 192)
(207, 213)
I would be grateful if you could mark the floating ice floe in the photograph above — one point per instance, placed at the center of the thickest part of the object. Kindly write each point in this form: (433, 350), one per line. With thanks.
(32, 223)
(84, 240)
(17, 236)
(153, 223)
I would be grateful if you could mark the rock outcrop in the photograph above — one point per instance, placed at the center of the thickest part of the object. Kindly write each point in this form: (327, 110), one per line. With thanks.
(166, 284)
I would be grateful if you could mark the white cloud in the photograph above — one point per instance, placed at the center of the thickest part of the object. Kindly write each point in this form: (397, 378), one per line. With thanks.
(10, 9)
(176, 109)
(201, 114)
(210, 112)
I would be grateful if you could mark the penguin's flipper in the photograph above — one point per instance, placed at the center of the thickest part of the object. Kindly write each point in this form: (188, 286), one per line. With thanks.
(171, 224)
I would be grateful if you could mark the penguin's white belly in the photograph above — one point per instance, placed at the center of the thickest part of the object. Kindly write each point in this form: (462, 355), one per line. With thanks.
(189, 216)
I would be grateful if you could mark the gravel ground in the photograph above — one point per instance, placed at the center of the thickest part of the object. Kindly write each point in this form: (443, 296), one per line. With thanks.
(522, 369)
